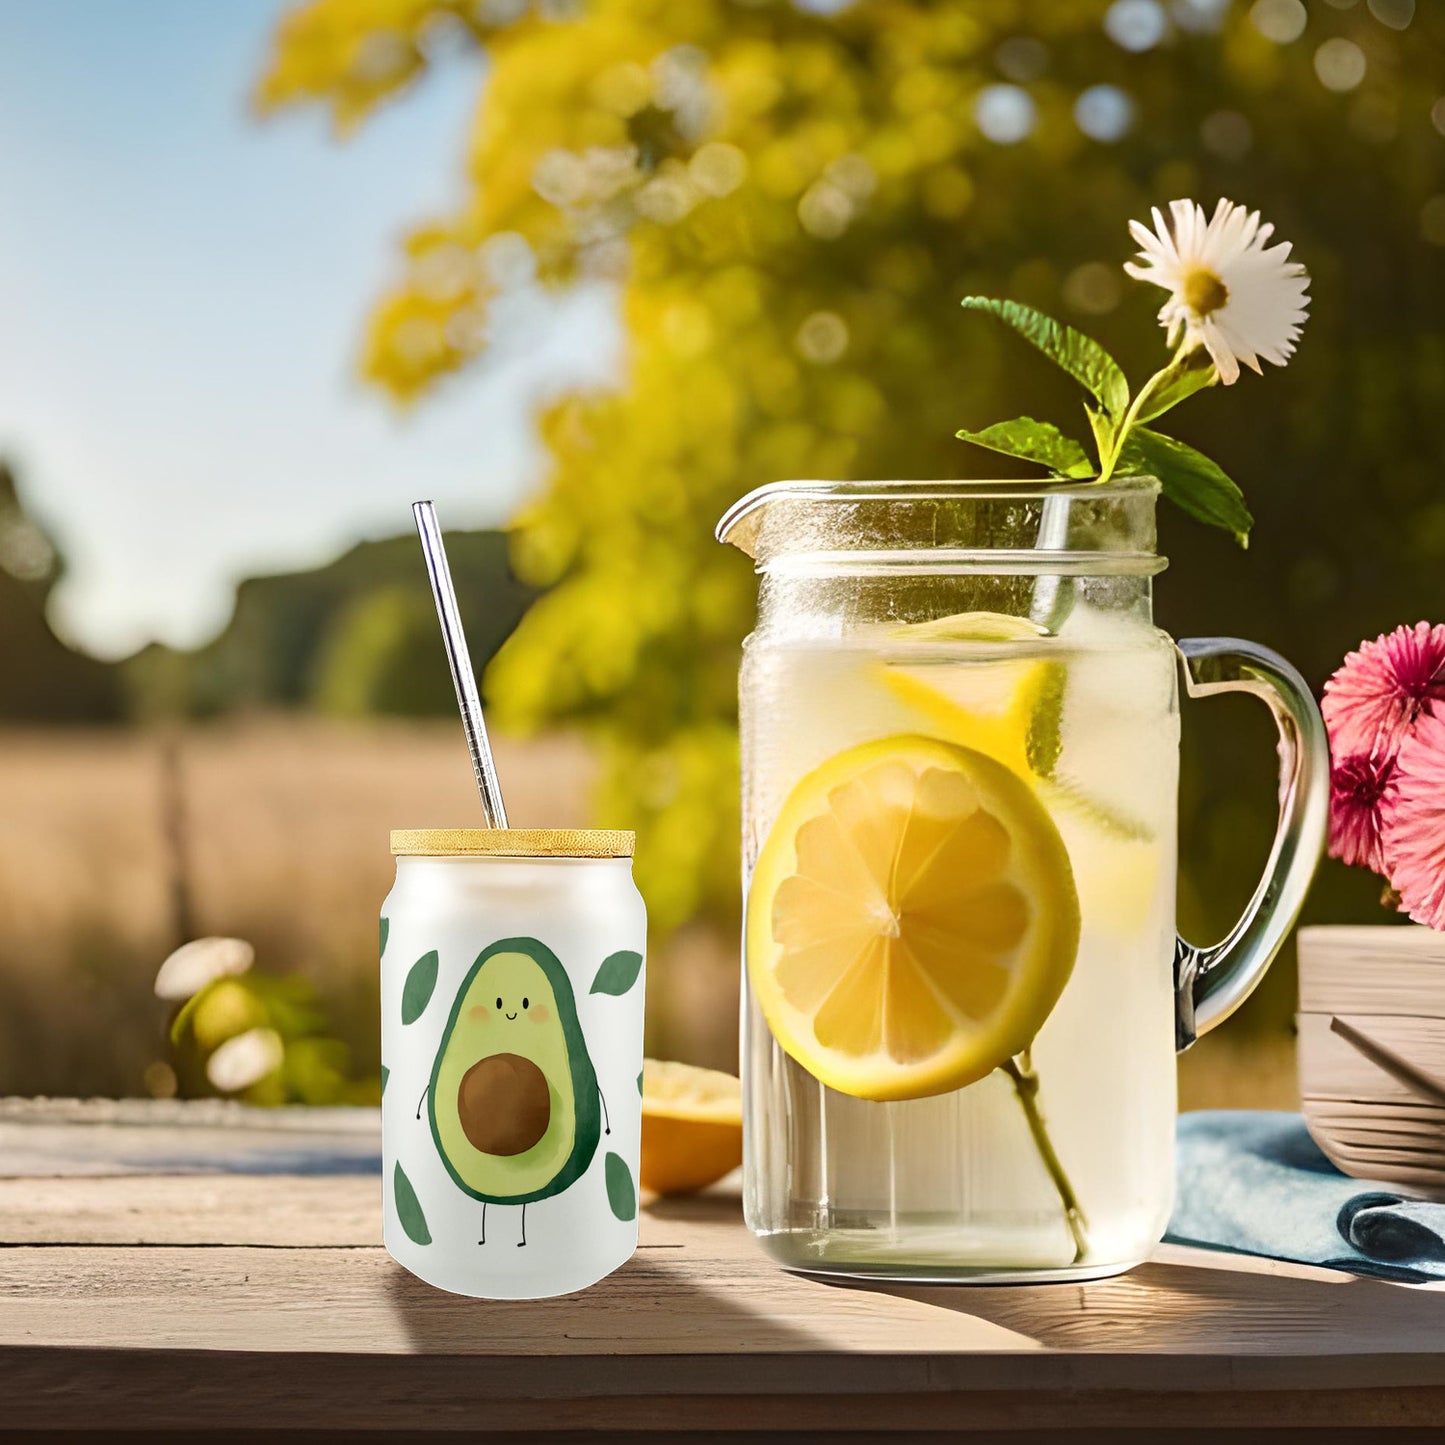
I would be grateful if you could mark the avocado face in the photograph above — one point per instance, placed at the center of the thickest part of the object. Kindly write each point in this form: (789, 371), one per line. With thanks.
(513, 1100)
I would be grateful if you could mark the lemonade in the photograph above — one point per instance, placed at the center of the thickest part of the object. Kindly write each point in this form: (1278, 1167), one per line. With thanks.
(963, 990)
(959, 856)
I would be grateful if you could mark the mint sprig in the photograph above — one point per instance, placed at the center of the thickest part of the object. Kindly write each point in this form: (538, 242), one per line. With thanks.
(1034, 441)
(1116, 417)
(1081, 356)
(1193, 482)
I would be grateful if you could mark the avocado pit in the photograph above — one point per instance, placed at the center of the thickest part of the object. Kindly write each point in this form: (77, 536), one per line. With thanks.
(504, 1104)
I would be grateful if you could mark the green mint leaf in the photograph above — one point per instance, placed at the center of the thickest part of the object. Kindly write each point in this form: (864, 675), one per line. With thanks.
(1181, 380)
(1034, 441)
(1190, 480)
(1082, 357)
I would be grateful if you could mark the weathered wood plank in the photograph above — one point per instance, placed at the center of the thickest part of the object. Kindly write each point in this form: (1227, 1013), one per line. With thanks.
(61, 1137)
(221, 1391)
(680, 1301)
(699, 1288)
(700, 1282)
(258, 1299)
(276, 1211)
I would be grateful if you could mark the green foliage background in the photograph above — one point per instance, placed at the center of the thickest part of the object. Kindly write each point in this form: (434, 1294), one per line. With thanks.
(791, 205)
(45, 681)
(355, 638)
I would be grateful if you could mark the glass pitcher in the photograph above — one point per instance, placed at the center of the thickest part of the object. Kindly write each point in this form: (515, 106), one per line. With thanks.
(963, 991)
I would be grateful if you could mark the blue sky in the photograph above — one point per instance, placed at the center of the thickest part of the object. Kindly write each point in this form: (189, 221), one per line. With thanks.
(182, 290)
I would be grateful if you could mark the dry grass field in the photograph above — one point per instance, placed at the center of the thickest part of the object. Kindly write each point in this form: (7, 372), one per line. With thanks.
(114, 846)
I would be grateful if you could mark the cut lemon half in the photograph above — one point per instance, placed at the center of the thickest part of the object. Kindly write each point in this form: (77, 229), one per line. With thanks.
(692, 1126)
(912, 919)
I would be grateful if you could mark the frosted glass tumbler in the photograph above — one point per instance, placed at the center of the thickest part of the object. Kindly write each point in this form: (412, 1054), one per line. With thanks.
(512, 981)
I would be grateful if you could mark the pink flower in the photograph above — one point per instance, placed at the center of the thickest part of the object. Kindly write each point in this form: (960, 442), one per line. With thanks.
(1414, 833)
(1373, 701)
(1362, 791)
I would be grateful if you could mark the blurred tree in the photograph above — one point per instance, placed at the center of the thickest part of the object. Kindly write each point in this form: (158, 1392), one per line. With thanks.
(380, 656)
(44, 680)
(792, 199)
(357, 636)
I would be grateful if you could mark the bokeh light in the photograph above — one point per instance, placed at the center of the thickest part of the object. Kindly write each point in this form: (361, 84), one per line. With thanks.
(1136, 25)
(1227, 133)
(1104, 113)
(1340, 64)
(1004, 113)
(1282, 21)
(822, 338)
(1199, 17)
(1397, 14)
(1094, 288)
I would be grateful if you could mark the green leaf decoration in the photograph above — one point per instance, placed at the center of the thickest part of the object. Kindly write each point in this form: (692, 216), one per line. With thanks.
(639, 1083)
(1191, 481)
(385, 1075)
(417, 991)
(385, 929)
(1034, 441)
(1082, 357)
(1181, 381)
(620, 1192)
(618, 973)
(408, 1209)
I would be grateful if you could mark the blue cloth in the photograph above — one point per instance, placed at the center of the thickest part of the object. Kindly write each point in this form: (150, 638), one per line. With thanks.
(1256, 1183)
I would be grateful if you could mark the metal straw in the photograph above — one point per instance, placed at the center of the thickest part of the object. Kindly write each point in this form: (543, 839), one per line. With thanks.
(1051, 603)
(468, 699)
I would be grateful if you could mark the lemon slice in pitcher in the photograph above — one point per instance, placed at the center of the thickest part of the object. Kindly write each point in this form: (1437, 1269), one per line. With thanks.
(1012, 709)
(912, 919)
(1008, 709)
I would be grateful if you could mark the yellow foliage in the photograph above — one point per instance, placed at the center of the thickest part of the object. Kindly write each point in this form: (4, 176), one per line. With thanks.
(790, 205)
(353, 54)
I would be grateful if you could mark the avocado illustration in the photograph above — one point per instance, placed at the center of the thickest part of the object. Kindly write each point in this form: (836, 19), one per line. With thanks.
(513, 1100)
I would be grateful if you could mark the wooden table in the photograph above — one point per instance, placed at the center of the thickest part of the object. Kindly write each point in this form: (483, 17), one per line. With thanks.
(190, 1266)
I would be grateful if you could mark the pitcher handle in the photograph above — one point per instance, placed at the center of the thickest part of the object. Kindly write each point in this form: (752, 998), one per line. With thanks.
(1211, 982)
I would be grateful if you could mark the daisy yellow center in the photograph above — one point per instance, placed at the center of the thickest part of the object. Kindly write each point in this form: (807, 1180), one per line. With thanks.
(1203, 291)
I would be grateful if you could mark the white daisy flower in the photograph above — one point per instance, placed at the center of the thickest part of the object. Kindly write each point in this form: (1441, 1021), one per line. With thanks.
(1228, 292)
(201, 961)
(245, 1060)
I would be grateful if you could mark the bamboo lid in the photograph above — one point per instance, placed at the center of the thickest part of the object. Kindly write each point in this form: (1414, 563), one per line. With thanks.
(512, 843)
